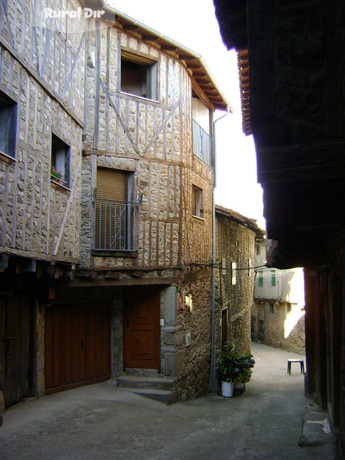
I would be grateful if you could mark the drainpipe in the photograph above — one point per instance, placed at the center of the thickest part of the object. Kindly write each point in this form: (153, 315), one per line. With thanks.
(213, 298)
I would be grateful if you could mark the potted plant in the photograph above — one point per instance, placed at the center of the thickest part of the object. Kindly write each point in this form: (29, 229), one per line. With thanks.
(56, 175)
(232, 367)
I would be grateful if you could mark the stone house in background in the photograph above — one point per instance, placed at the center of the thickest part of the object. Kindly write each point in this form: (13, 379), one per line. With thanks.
(106, 268)
(278, 308)
(235, 243)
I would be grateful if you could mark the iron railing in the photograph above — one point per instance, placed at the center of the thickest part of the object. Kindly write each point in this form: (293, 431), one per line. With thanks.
(116, 225)
(201, 144)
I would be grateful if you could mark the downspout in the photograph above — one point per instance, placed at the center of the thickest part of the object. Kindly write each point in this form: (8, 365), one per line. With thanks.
(213, 296)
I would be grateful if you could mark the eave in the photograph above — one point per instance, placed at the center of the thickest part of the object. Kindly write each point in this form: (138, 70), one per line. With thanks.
(193, 62)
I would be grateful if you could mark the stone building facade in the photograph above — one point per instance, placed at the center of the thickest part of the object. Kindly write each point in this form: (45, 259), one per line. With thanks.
(235, 242)
(107, 267)
(278, 311)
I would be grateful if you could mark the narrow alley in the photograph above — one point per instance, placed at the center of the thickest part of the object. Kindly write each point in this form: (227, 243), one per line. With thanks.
(105, 422)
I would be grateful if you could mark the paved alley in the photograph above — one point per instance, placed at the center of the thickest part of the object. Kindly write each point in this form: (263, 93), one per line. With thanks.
(105, 422)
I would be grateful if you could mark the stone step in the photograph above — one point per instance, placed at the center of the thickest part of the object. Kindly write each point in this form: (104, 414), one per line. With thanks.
(153, 373)
(158, 395)
(134, 381)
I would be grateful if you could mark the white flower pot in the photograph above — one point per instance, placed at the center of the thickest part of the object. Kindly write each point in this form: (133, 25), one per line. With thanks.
(228, 389)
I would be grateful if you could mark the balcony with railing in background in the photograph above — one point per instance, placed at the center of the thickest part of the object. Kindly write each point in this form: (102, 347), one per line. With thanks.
(116, 225)
(201, 144)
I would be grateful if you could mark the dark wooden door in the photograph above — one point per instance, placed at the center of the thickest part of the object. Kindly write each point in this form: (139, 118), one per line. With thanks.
(15, 354)
(77, 345)
(142, 329)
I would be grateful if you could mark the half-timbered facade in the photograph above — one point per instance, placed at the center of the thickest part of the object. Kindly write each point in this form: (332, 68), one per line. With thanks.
(107, 171)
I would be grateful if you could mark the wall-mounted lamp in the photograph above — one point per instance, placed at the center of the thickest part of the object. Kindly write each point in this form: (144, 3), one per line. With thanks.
(188, 302)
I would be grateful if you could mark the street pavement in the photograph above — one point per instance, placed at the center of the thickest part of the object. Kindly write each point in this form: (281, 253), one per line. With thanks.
(106, 422)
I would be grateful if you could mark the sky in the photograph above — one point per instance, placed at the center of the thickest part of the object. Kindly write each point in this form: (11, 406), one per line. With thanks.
(193, 24)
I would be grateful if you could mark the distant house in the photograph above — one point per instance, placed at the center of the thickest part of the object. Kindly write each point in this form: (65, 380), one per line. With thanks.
(106, 173)
(235, 242)
(278, 308)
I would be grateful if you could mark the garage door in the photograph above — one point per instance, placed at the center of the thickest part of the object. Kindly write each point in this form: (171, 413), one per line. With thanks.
(16, 363)
(77, 345)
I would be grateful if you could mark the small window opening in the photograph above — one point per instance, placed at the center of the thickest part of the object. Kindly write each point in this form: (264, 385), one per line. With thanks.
(139, 76)
(8, 125)
(60, 162)
(197, 202)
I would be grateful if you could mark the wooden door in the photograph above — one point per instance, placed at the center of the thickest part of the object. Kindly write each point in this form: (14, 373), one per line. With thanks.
(77, 345)
(16, 370)
(98, 343)
(142, 329)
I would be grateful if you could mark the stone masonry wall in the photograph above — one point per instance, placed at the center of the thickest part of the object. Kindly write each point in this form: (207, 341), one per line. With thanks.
(235, 243)
(150, 147)
(269, 320)
(38, 218)
(193, 337)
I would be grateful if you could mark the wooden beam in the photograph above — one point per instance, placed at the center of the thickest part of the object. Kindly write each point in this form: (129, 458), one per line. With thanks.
(149, 38)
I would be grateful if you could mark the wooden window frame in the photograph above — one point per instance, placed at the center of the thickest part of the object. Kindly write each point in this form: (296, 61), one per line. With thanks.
(146, 75)
(197, 202)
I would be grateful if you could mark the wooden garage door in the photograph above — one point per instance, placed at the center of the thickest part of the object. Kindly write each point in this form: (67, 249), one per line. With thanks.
(16, 357)
(77, 345)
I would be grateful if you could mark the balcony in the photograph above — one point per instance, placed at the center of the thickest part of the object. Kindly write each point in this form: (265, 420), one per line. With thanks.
(201, 144)
(116, 225)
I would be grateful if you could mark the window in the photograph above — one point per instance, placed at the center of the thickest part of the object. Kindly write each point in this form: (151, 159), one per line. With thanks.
(60, 161)
(201, 131)
(115, 215)
(234, 272)
(197, 202)
(261, 279)
(8, 125)
(273, 277)
(138, 75)
(257, 250)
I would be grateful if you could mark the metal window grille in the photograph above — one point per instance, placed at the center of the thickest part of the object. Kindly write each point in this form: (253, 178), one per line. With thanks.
(116, 225)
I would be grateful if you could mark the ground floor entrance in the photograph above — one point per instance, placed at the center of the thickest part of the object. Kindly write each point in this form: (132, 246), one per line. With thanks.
(77, 345)
(142, 328)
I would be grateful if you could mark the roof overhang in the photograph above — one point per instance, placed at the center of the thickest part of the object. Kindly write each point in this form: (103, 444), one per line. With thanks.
(202, 79)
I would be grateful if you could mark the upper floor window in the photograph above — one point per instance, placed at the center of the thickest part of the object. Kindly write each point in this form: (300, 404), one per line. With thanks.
(8, 125)
(261, 279)
(60, 161)
(138, 75)
(201, 131)
(234, 273)
(116, 217)
(197, 202)
(273, 277)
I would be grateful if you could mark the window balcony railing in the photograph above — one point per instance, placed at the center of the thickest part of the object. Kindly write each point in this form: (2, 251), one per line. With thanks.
(201, 144)
(116, 225)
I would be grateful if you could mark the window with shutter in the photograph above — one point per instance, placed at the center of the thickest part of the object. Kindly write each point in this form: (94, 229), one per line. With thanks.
(112, 210)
